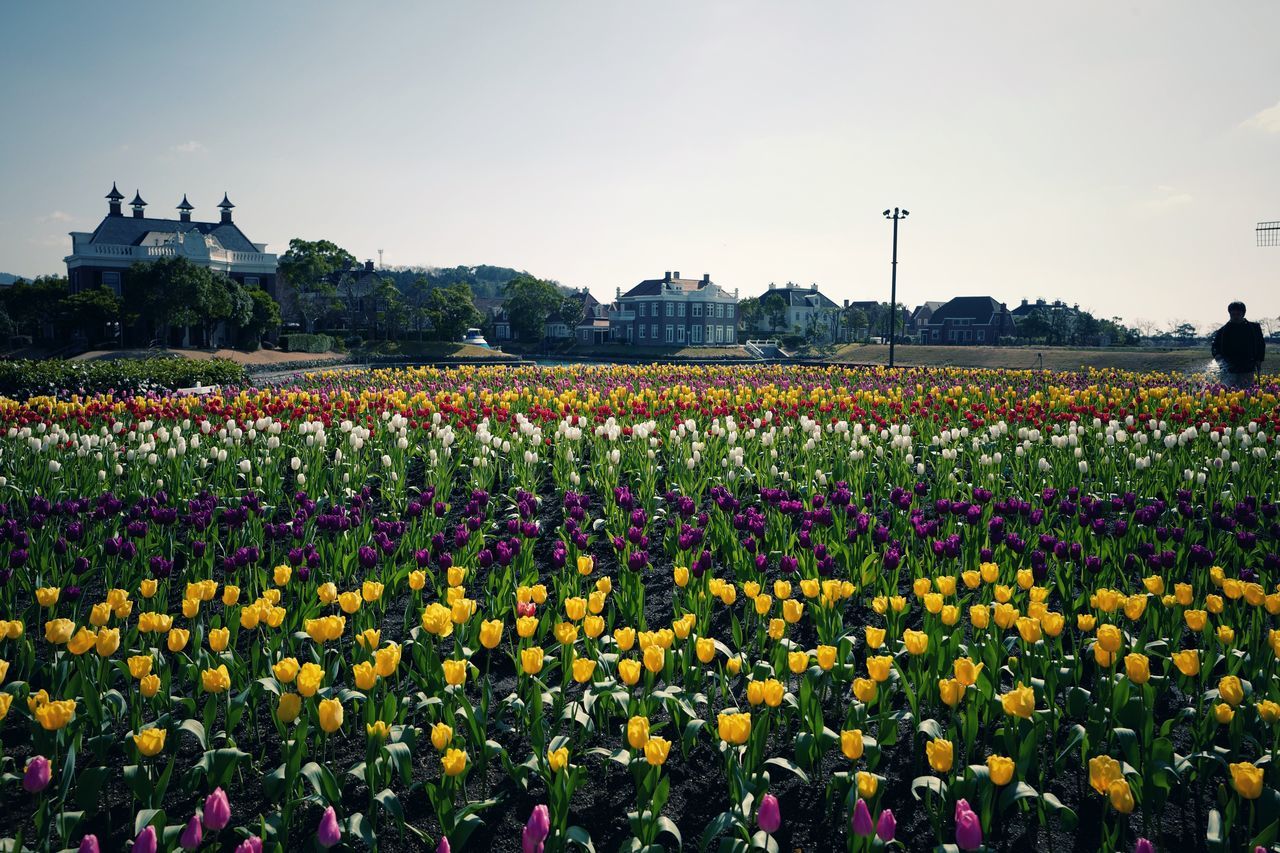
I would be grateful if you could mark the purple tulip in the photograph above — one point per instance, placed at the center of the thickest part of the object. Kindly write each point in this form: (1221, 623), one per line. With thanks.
(968, 827)
(252, 844)
(328, 833)
(862, 819)
(217, 810)
(887, 826)
(89, 844)
(443, 846)
(769, 818)
(37, 776)
(146, 841)
(193, 835)
(536, 830)
(1144, 846)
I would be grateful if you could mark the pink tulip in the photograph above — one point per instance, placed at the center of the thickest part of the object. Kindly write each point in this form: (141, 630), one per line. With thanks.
(252, 844)
(887, 826)
(968, 827)
(443, 846)
(217, 810)
(89, 844)
(1144, 846)
(862, 818)
(146, 841)
(536, 830)
(328, 833)
(769, 818)
(193, 835)
(37, 776)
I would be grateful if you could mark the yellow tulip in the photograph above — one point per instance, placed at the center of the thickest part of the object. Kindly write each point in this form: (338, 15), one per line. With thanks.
(656, 750)
(150, 741)
(1121, 796)
(868, 784)
(216, 680)
(441, 736)
(149, 685)
(331, 715)
(1246, 778)
(1000, 769)
(218, 638)
(455, 672)
(558, 759)
(53, 716)
(583, 669)
(1188, 662)
(454, 761)
(638, 732)
(951, 691)
(531, 660)
(1103, 770)
(940, 754)
(917, 642)
(1137, 668)
(865, 690)
(967, 671)
(366, 676)
(310, 677)
(1019, 702)
(851, 744)
(108, 641)
(629, 671)
(1231, 690)
(490, 633)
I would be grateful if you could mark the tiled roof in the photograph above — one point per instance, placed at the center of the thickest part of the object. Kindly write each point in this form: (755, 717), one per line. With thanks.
(129, 231)
(653, 286)
(979, 309)
(802, 297)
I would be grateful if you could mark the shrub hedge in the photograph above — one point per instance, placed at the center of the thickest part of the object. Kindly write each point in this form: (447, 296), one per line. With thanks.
(25, 378)
(301, 342)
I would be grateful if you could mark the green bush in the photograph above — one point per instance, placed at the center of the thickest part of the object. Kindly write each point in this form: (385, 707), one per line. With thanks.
(125, 377)
(300, 342)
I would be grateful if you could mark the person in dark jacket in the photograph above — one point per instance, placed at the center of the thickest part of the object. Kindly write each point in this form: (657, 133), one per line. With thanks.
(1238, 348)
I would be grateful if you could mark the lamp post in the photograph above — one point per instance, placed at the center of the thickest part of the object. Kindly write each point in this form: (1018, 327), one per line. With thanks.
(895, 215)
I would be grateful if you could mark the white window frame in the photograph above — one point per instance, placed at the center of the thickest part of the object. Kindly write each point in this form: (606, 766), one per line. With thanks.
(679, 334)
(653, 331)
(719, 310)
(696, 334)
(640, 310)
(671, 334)
(728, 311)
(697, 309)
(680, 309)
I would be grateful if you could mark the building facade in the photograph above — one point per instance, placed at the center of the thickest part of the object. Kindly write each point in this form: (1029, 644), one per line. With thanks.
(102, 257)
(974, 320)
(675, 311)
(796, 310)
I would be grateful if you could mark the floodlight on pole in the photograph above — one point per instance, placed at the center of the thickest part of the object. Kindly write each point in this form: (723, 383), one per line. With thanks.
(895, 214)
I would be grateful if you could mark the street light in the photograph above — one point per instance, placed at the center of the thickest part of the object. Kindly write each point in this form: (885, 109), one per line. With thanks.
(895, 215)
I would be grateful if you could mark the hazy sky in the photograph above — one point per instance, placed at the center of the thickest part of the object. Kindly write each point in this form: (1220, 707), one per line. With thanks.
(1117, 154)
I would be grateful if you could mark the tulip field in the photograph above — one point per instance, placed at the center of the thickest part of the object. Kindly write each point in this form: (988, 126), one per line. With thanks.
(643, 608)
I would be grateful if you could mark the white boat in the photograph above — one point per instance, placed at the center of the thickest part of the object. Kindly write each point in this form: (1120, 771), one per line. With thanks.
(474, 338)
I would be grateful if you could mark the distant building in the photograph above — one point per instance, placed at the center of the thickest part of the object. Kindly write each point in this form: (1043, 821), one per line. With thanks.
(968, 320)
(807, 312)
(675, 311)
(921, 316)
(496, 322)
(558, 330)
(103, 256)
(1057, 305)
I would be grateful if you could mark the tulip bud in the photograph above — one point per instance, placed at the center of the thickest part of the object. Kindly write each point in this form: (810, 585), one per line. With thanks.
(862, 818)
(217, 810)
(89, 844)
(536, 830)
(1144, 846)
(769, 818)
(328, 833)
(193, 835)
(252, 844)
(146, 841)
(968, 827)
(887, 826)
(37, 775)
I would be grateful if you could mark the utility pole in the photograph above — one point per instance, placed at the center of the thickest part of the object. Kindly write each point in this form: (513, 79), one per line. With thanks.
(379, 259)
(895, 215)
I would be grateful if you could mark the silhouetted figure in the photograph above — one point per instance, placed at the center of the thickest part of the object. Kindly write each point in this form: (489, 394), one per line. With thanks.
(1238, 348)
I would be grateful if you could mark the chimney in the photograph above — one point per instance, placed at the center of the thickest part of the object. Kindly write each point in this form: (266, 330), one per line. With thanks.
(138, 206)
(772, 285)
(813, 288)
(1024, 302)
(618, 293)
(368, 266)
(846, 304)
(706, 278)
(225, 206)
(675, 275)
(113, 199)
(667, 276)
(184, 209)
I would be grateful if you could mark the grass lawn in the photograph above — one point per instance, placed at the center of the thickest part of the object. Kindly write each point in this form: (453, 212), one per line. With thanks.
(1191, 360)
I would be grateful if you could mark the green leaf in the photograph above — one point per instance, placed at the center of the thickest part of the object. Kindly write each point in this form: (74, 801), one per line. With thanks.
(790, 766)
(579, 836)
(1017, 791)
(391, 803)
(928, 783)
(1064, 814)
(719, 824)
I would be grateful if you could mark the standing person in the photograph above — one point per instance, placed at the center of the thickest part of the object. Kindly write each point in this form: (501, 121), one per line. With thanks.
(1238, 348)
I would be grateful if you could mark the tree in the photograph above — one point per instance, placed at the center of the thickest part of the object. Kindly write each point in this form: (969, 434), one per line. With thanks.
(773, 309)
(168, 293)
(308, 268)
(264, 315)
(89, 311)
(389, 309)
(530, 302)
(1036, 326)
(572, 311)
(29, 303)
(415, 295)
(749, 314)
(1183, 332)
(451, 311)
(854, 319)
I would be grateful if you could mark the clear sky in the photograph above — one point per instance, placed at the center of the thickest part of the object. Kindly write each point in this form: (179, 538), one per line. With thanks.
(1115, 154)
